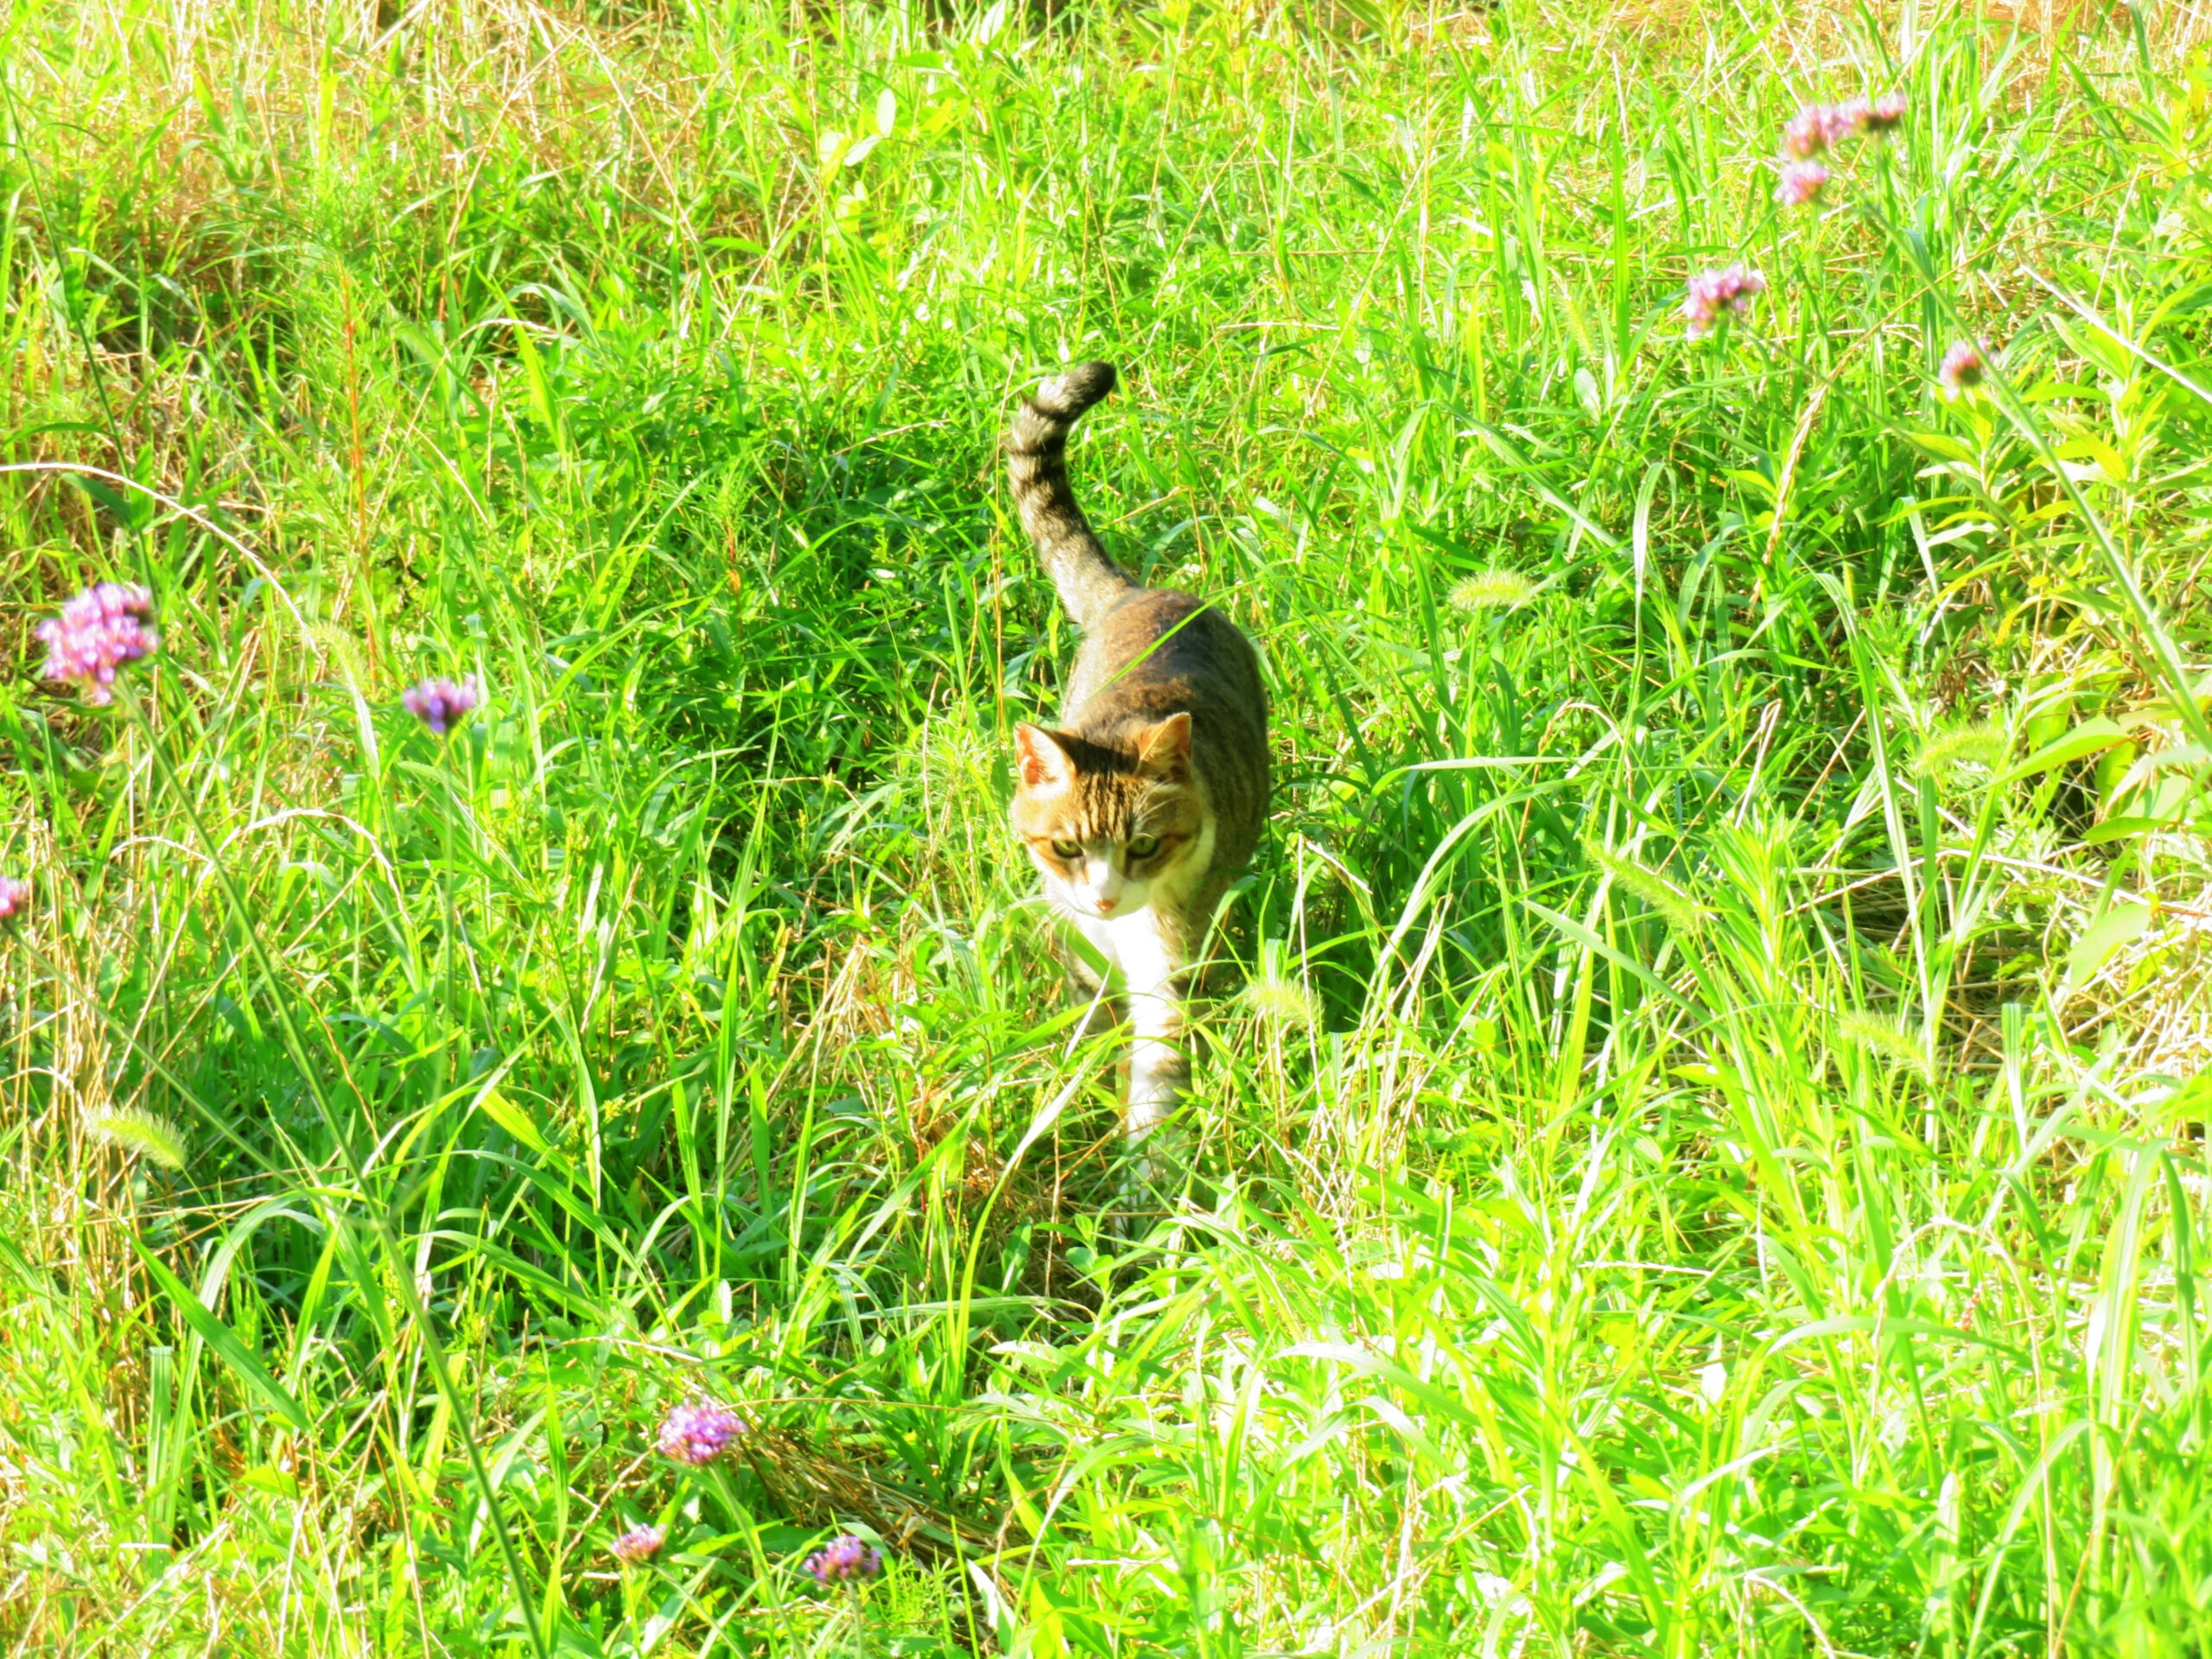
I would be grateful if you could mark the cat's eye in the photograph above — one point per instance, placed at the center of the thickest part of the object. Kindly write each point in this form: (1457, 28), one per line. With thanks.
(1143, 846)
(1067, 848)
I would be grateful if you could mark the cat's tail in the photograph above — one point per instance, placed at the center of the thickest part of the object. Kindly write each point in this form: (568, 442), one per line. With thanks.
(1036, 454)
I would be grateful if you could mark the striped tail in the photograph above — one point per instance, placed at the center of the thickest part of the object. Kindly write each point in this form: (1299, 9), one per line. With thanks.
(1036, 450)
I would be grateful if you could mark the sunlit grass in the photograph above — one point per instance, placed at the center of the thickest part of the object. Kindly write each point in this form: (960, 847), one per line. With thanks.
(1697, 1144)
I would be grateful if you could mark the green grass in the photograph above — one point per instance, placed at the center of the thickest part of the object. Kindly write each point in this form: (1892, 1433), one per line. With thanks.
(1710, 1154)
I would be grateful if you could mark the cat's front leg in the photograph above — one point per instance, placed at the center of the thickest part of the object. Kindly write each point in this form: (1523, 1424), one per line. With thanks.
(1159, 1067)
(1159, 1072)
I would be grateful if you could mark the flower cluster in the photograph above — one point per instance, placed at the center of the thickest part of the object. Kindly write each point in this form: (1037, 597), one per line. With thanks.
(441, 704)
(845, 1561)
(698, 1433)
(1818, 128)
(1712, 292)
(1883, 115)
(1802, 182)
(1812, 130)
(1962, 369)
(15, 898)
(96, 633)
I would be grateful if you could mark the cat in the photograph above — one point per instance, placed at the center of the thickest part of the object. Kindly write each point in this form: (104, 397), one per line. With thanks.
(1142, 804)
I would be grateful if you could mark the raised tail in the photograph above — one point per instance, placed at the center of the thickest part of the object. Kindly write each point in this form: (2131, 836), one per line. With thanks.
(1036, 455)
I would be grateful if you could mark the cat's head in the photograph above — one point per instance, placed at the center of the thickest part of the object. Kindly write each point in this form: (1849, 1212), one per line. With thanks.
(1105, 826)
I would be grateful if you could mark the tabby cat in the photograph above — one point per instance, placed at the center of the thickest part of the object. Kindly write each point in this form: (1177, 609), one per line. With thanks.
(1142, 804)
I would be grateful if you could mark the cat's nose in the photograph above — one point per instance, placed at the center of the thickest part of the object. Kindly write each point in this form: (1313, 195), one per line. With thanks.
(1106, 905)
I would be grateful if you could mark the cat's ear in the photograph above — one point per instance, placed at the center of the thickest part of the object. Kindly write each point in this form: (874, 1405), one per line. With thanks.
(1164, 751)
(1042, 763)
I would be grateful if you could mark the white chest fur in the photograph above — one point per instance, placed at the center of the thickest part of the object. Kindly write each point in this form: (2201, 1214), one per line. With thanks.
(1135, 944)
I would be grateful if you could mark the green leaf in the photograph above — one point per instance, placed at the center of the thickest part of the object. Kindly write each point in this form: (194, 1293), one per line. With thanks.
(511, 1118)
(2092, 736)
(1939, 445)
(2124, 828)
(220, 1337)
(131, 513)
(2106, 935)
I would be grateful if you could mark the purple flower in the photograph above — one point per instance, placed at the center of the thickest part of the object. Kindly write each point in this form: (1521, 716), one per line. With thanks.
(1844, 120)
(1809, 131)
(441, 704)
(1819, 127)
(1712, 292)
(1962, 369)
(638, 1544)
(1801, 183)
(15, 899)
(845, 1561)
(1883, 114)
(699, 1431)
(97, 633)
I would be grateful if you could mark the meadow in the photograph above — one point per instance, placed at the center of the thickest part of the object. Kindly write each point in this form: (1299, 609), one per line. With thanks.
(1697, 1144)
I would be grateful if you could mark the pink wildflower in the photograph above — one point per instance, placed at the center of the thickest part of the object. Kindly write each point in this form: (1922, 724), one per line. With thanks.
(638, 1544)
(1802, 182)
(1819, 127)
(15, 899)
(842, 1561)
(1962, 369)
(1807, 132)
(441, 704)
(1883, 114)
(1712, 292)
(96, 633)
(698, 1433)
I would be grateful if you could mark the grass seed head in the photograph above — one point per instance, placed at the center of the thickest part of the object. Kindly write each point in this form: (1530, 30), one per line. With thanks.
(134, 1129)
(1883, 1037)
(1491, 590)
(1278, 1001)
(1982, 744)
(1681, 914)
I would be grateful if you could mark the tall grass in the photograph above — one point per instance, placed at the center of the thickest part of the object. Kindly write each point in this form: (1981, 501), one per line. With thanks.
(1700, 1147)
